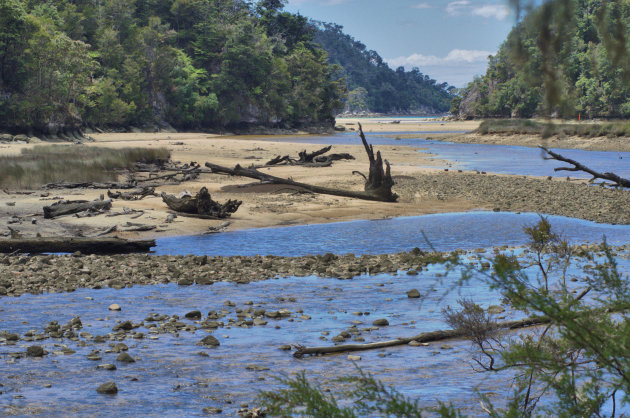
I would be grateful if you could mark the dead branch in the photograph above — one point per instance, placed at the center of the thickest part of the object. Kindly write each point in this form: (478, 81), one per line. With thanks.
(312, 159)
(134, 194)
(424, 337)
(377, 186)
(618, 181)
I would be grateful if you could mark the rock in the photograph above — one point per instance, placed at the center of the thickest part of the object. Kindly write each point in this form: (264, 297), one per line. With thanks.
(114, 307)
(256, 368)
(3, 291)
(285, 347)
(10, 336)
(186, 281)
(382, 322)
(6, 137)
(413, 293)
(106, 366)
(212, 410)
(354, 358)
(125, 358)
(108, 388)
(209, 341)
(495, 309)
(21, 137)
(193, 315)
(125, 326)
(415, 343)
(36, 351)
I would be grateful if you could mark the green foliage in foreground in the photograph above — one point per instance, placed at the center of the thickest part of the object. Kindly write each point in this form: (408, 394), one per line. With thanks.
(564, 58)
(40, 165)
(191, 63)
(546, 129)
(574, 366)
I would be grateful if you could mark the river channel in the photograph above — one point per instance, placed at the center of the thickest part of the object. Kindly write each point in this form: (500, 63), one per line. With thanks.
(172, 376)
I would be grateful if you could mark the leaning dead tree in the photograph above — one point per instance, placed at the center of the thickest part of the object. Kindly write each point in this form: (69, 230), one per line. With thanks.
(311, 159)
(378, 183)
(577, 166)
(201, 205)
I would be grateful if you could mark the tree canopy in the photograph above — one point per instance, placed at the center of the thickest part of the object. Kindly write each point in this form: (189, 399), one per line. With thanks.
(373, 85)
(564, 58)
(189, 63)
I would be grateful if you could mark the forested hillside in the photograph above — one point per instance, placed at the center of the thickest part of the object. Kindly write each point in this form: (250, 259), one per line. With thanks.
(566, 60)
(373, 86)
(188, 63)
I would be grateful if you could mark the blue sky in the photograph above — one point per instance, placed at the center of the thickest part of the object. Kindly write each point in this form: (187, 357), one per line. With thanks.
(447, 40)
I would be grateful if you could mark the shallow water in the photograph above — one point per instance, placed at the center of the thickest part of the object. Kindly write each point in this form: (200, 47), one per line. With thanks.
(502, 159)
(169, 377)
(444, 232)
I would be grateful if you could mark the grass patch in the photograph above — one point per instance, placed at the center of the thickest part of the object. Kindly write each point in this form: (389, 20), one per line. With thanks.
(544, 129)
(43, 164)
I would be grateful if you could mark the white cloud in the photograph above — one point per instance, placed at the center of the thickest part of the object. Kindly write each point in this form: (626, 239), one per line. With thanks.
(498, 11)
(457, 68)
(457, 7)
(421, 6)
(454, 57)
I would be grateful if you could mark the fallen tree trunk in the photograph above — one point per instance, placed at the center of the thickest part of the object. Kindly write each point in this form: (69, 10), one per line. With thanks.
(378, 186)
(68, 207)
(424, 337)
(201, 205)
(70, 245)
(577, 166)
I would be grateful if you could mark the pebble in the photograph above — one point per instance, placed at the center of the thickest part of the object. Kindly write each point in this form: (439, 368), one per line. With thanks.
(354, 358)
(36, 351)
(114, 307)
(495, 309)
(413, 293)
(209, 341)
(106, 366)
(125, 358)
(108, 388)
(382, 322)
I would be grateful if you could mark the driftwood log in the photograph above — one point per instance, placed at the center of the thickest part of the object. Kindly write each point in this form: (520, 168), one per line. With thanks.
(67, 207)
(201, 205)
(89, 185)
(132, 195)
(577, 166)
(310, 159)
(424, 337)
(378, 186)
(70, 245)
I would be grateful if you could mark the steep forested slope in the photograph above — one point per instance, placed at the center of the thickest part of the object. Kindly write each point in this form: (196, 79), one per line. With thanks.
(190, 63)
(572, 54)
(373, 85)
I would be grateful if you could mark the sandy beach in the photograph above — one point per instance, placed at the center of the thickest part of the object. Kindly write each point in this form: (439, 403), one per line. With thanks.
(422, 190)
